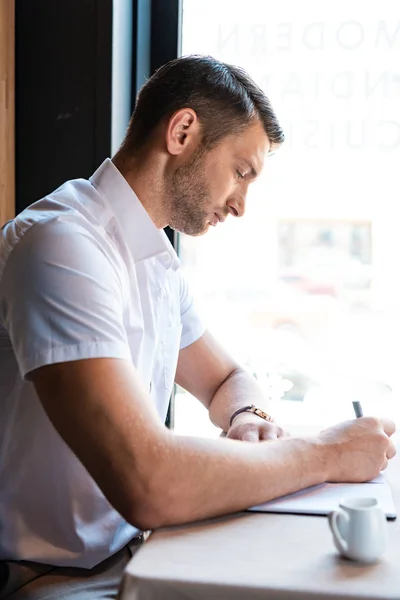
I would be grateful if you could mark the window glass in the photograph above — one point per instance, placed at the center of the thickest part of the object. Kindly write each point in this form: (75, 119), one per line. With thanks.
(304, 289)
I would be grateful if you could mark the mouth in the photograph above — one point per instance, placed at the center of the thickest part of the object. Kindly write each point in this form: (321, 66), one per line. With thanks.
(216, 219)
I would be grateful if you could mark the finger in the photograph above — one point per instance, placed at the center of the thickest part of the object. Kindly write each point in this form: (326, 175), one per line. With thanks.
(385, 464)
(282, 433)
(269, 434)
(245, 434)
(389, 427)
(250, 434)
(391, 451)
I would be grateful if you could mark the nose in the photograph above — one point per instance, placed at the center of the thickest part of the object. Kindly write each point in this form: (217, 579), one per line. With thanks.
(237, 206)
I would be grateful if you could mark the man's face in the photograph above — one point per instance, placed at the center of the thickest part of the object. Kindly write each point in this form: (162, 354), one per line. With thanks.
(213, 184)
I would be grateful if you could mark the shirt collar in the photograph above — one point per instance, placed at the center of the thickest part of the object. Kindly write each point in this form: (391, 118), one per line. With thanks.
(141, 235)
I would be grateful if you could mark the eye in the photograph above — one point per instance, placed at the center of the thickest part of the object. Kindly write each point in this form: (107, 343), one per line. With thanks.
(239, 174)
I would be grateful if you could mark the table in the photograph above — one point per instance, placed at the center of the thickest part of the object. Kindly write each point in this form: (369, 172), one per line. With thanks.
(259, 555)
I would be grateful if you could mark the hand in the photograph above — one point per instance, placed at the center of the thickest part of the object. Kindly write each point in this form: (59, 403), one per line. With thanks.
(358, 450)
(249, 427)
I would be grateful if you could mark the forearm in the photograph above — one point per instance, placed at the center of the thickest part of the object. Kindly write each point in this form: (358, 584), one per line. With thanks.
(199, 478)
(154, 478)
(238, 390)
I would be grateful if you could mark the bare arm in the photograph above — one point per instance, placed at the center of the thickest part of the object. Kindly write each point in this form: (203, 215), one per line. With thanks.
(208, 372)
(154, 478)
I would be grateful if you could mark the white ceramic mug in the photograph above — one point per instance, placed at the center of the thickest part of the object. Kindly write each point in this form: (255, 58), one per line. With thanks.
(359, 529)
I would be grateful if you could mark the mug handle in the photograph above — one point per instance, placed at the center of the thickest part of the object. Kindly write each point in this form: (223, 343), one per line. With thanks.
(333, 524)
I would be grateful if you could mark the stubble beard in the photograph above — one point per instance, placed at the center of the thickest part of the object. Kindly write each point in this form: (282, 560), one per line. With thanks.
(188, 197)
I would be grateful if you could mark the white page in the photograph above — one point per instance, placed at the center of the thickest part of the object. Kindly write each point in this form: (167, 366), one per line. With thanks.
(324, 498)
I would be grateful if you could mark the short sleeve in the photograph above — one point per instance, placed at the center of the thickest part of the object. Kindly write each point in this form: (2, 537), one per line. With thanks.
(61, 297)
(192, 325)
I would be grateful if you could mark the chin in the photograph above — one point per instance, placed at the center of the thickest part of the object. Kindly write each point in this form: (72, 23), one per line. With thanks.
(200, 233)
(206, 226)
(187, 230)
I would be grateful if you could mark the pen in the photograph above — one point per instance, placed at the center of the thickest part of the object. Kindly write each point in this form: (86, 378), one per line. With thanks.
(357, 409)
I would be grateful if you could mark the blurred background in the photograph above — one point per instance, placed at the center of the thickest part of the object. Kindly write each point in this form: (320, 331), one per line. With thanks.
(304, 289)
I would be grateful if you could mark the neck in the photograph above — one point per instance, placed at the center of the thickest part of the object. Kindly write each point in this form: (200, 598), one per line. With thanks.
(144, 175)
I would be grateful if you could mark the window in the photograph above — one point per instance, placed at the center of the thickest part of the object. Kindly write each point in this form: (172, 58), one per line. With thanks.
(304, 289)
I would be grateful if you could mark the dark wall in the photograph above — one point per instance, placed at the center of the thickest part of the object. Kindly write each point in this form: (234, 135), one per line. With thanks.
(63, 85)
(63, 92)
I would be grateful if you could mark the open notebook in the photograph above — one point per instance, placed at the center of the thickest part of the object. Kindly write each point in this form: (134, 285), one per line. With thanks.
(322, 499)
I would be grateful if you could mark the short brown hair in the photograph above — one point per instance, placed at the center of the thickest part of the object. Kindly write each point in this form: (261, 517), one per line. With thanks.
(224, 97)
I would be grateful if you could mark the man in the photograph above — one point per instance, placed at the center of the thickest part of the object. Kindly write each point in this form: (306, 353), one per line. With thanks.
(97, 323)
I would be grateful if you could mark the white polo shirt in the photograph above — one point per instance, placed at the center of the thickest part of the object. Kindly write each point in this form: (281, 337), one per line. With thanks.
(84, 273)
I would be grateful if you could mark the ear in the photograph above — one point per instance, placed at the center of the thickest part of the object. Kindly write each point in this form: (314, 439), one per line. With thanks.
(183, 131)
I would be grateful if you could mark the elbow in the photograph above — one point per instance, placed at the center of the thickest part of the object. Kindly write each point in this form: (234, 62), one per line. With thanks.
(148, 512)
(145, 519)
(154, 502)
(154, 498)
